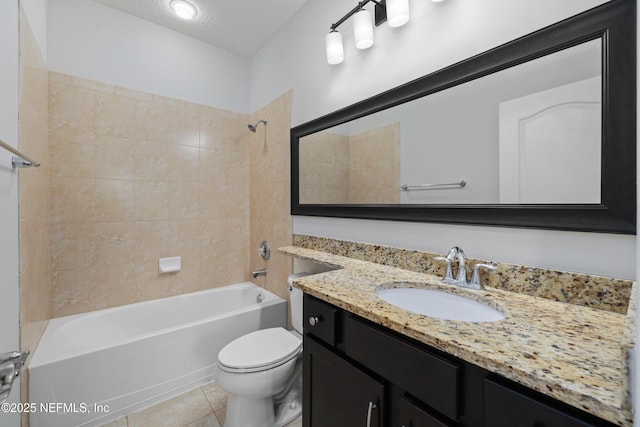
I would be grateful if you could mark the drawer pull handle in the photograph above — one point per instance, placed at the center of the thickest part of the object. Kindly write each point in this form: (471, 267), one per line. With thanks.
(372, 406)
(314, 320)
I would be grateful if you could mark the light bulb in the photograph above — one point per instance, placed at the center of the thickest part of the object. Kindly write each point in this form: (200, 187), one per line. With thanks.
(335, 50)
(363, 29)
(183, 9)
(397, 12)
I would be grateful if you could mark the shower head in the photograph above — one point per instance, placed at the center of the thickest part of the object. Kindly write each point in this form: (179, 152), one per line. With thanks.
(253, 128)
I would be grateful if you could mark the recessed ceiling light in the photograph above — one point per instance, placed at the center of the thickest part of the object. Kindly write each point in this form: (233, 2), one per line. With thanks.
(183, 9)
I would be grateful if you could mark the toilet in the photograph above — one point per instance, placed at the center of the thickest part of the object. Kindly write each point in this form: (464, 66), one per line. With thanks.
(262, 372)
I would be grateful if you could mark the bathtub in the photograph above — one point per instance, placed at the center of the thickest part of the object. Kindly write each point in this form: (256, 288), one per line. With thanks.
(94, 367)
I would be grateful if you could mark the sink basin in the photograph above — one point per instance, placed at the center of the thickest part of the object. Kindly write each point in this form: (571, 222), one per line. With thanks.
(443, 305)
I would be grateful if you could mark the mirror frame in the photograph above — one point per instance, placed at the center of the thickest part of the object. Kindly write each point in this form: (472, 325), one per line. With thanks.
(615, 24)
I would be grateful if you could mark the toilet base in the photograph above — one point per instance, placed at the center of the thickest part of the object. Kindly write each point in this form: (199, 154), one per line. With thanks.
(245, 411)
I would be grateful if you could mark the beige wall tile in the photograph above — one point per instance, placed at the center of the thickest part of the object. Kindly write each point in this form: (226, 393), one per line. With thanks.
(114, 243)
(152, 201)
(221, 129)
(184, 201)
(151, 240)
(72, 109)
(184, 164)
(145, 190)
(114, 200)
(114, 158)
(34, 201)
(118, 115)
(73, 246)
(152, 161)
(72, 200)
(374, 172)
(270, 217)
(73, 159)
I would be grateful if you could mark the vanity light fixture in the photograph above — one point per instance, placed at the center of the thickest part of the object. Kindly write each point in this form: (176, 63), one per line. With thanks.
(363, 29)
(397, 12)
(394, 12)
(183, 9)
(335, 50)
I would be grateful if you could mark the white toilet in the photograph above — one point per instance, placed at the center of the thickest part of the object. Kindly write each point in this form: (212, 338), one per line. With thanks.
(262, 372)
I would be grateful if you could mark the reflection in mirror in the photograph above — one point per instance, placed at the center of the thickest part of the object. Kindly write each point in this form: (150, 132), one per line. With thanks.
(529, 134)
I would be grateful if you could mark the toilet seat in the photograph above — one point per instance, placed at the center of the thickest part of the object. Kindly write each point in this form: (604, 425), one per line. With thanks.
(260, 350)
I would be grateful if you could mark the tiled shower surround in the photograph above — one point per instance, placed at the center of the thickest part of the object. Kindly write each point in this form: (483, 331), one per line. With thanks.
(34, 202)
(136, 177)
(271, 193)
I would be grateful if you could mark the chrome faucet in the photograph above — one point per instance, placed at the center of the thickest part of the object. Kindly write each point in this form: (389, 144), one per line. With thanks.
(456, 253)
(261, 272)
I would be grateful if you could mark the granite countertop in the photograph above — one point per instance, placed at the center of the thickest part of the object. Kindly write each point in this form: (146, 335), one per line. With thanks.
(572, 353)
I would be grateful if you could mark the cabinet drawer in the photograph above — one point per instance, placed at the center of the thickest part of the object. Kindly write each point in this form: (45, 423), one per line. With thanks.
(320, 319)
(410, 415)
(429, 377)
(506, 407)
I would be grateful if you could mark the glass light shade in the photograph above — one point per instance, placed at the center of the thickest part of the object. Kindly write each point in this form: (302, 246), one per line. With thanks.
(363, 29)
(335, 50)
(397, 12)
(183, 9)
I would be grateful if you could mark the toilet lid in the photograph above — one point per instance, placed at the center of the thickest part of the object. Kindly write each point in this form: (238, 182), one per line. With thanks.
(260, 349)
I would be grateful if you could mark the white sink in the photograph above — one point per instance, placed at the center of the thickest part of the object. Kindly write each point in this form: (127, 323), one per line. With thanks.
(442, 305)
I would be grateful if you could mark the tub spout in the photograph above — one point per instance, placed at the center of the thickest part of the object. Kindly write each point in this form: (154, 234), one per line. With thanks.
(261, 272)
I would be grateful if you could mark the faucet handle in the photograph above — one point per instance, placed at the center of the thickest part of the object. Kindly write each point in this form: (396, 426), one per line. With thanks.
(475, 279)
(449, 272)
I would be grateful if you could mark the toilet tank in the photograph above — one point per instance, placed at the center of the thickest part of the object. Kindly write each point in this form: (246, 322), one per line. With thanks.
(295, 302)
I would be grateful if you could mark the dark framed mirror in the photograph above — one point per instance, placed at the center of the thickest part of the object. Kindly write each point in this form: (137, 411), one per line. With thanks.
(537, 133)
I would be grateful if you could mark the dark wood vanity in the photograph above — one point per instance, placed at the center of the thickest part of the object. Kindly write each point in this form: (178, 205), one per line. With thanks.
(357, 373)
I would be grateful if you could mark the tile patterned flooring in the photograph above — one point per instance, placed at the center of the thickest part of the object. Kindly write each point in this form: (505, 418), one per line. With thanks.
(205, 406)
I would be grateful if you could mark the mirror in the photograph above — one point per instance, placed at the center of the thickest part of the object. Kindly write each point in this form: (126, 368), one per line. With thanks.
(494, 133)
(529, 134)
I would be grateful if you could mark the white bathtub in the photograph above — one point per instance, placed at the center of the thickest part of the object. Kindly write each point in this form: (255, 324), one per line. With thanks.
(130, 357)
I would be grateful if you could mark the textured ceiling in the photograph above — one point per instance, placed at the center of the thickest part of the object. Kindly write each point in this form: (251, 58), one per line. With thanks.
(240, 26)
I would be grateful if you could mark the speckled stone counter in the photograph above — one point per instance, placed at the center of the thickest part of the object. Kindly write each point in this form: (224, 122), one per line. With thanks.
(572, 353)
(604, 293)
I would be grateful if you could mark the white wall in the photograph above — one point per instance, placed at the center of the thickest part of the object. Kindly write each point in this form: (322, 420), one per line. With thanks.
(439, 34)
(36, 11)
(9, 252)
(91, 40)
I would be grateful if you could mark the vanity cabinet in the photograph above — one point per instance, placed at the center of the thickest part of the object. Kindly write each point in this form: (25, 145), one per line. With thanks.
(342, 394)
(357, 373)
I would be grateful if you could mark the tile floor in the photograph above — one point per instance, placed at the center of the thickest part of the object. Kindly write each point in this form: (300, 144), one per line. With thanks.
(205, 406)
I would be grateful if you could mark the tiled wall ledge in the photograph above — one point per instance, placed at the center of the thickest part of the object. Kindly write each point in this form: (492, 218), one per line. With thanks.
(603, 293)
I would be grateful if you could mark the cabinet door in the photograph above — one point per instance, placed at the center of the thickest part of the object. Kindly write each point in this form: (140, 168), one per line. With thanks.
(336, 393)
(505, 407)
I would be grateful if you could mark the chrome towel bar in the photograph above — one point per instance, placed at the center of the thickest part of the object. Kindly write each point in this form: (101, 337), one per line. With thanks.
(406, 187)
(20, 160)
